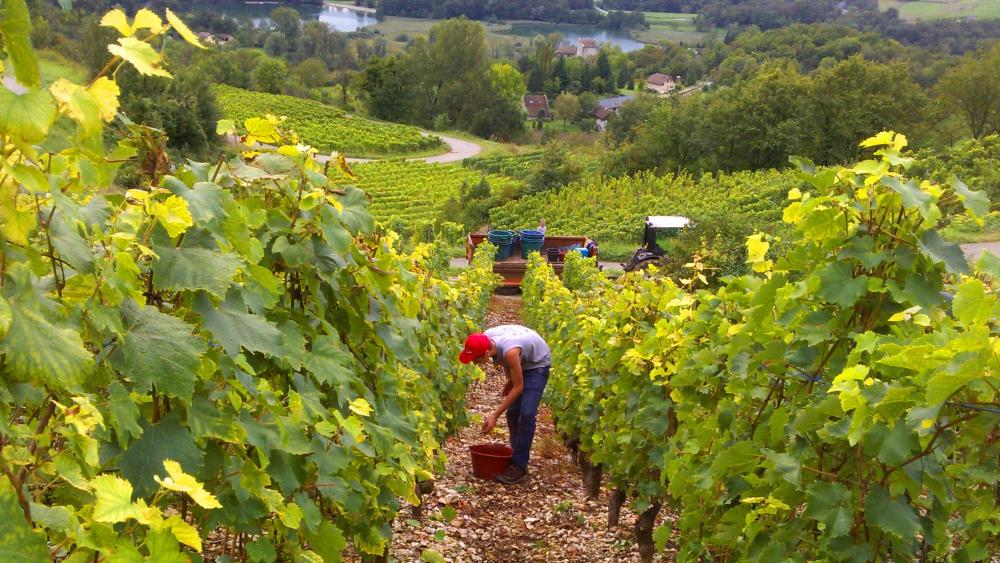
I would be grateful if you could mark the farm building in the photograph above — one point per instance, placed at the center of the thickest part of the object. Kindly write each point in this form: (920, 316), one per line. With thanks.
(537, 107)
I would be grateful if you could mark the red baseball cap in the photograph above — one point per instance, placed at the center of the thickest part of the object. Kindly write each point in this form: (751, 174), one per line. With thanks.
(476, 345)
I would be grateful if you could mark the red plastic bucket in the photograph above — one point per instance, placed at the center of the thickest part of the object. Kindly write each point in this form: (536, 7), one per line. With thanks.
(490, 460)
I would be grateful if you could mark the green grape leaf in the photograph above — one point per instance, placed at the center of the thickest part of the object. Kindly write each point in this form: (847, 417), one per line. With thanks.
(141, 55)
(164, 440)
(164, 547)
(114, 499)
(124, 414)
(329, 362)
(934, 247)
(205, 422)
(891, 447)
(989, 264)
(159, 350)
(6, 317)
(976, 203)
(431, 556)
(894, 516)
(59, 518)
(39, 351)
(19, 543)
(944, 384)
(913, 196)
(261, 550)
(16, 29)
(970, 305)
(661, 535)
(27, 116)
(741, 457)
(72, 247)
(234, 328)
(328, 541)
(830, 504)
(354, 212)
(787, 466)
(205, 200)
(838, 284)
(191, 269)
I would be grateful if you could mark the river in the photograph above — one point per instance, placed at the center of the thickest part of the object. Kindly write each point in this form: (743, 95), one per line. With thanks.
(574, 32)
(337, 17)
(346, 20)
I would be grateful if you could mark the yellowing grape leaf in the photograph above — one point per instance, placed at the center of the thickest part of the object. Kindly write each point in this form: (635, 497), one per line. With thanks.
(182, 28)
(114, 499)
(79, 104)
(141, 55)
(184, 532)
(106, 92)
(118, 20)
(262, 130)
(144, 19)
(360, 407)
(181, 482)
(173, 214)
(225, 127)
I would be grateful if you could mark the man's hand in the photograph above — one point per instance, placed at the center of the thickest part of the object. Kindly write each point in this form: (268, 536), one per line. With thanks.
(488, 423)
(507, 388)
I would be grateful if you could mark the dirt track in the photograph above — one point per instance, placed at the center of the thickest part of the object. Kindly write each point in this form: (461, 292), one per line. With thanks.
(547, 517)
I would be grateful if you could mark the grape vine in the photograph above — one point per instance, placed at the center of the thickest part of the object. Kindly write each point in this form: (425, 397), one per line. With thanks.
(230, 348)
(841, 402)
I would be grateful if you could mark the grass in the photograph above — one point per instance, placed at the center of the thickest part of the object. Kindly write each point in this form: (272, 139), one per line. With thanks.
(669, 27)
(964, 230)
(490, 148)
(936, 9)
(54, 66)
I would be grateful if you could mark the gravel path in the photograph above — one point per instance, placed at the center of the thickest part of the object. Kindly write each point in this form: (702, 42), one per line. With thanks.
(972, 250)
(547, 517)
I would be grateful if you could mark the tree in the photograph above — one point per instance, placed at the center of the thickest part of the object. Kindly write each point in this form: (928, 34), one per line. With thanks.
(507, 81)
(567, 107)
(276, 44)
(604, 72)
(270, 75)
(288, 22)
(973, 90)
(556, 169)
(588, 102)
(312, 73)
(855, 99)
(388, 87)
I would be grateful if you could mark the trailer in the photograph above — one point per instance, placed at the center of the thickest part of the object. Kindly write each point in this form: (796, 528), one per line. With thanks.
(512, 269)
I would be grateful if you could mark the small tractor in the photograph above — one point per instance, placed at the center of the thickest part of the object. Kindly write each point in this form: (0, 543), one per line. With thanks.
(659, 228)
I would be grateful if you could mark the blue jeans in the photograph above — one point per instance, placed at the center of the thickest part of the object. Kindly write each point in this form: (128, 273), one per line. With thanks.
(521, 415)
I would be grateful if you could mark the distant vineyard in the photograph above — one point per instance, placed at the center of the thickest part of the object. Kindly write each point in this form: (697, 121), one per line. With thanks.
(614, 208)
(325, 127)
(520, 166)
(405, 193)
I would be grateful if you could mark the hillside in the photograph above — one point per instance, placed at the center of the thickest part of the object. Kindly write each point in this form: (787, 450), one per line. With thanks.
(325, 127)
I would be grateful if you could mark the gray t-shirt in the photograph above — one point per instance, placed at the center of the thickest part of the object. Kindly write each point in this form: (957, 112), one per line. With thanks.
(534, 350)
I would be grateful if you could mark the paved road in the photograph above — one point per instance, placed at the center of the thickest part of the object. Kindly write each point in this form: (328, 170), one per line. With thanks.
(460, 150)
(972, 250)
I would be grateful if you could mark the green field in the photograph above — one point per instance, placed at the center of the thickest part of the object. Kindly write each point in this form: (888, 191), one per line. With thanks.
(935, 9)
(670, 27)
